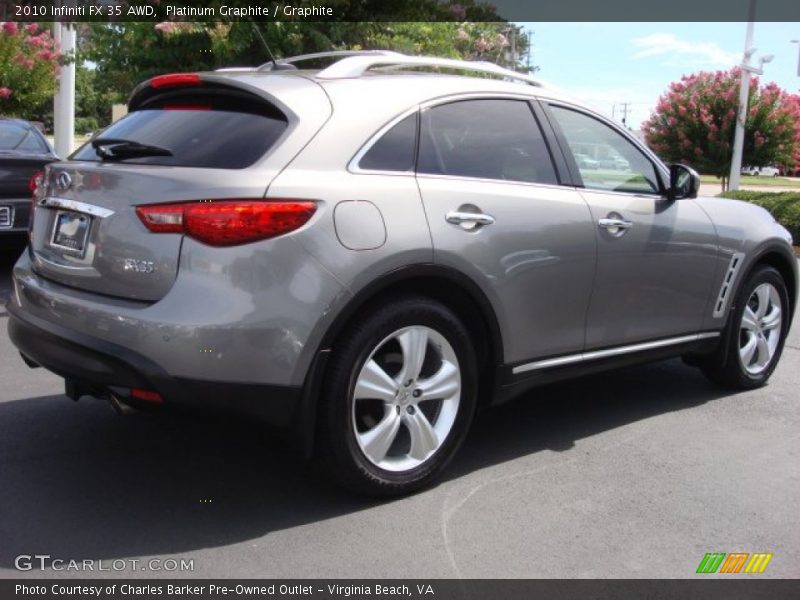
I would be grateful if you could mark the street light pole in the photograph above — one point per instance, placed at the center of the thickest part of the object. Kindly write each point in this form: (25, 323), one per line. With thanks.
(744, 94)
(64, 99)
(798, 55)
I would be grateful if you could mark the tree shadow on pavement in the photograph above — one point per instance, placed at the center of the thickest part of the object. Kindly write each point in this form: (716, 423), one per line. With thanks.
(78, 481)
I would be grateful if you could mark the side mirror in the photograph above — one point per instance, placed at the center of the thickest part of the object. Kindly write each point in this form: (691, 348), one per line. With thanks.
(684, 182)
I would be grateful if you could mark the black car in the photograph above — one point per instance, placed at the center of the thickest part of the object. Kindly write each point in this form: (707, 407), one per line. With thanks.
(24, 151)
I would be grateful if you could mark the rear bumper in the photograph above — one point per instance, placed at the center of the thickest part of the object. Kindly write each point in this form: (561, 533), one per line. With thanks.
(94, 366)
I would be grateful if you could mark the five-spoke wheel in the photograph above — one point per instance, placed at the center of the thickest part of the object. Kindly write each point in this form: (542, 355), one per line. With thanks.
(400, 395)
(753, 340)
(406, 398)
(760, 329)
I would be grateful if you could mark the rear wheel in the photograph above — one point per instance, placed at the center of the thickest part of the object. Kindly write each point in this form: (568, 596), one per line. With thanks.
(756, 333)
(400, 396)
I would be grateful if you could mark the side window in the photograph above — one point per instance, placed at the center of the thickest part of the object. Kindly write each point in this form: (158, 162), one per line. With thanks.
(604, 157)
(395, 150)
(491, 139)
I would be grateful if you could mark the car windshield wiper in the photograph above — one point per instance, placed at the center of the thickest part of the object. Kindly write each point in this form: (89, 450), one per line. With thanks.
(120, 149)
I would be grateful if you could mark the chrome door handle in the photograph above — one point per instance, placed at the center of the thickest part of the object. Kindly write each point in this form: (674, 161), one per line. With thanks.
(615, 226)
(458, 218)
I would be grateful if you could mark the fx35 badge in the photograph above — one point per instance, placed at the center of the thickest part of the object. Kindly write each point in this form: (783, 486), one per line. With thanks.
(139, 266)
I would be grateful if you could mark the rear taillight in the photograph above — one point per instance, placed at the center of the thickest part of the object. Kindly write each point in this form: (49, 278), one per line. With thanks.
(35, 181)
(227, 222)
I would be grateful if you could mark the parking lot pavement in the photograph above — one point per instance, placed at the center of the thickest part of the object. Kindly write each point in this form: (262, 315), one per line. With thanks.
(636, 473)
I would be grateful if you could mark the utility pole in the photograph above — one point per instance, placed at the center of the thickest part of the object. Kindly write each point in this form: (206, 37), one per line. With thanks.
(64, 99)
(625, 106)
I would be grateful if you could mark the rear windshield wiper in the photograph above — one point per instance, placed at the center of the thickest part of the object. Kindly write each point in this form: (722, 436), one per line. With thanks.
(120, 149)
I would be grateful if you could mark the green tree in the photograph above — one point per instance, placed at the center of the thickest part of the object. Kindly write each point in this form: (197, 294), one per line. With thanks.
(128, 53)
(695, 120)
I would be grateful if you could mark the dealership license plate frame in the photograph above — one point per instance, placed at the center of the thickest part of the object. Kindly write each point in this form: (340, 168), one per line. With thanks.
(80, 238)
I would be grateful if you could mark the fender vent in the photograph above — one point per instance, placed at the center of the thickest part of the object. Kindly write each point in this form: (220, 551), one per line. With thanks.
(727, 284)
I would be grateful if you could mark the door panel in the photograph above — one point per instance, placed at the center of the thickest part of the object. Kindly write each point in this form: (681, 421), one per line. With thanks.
(535, 262)
(489, 187)
(655, 258)
(653, 279)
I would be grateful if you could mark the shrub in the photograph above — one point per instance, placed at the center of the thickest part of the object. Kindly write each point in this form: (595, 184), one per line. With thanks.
(784, 206)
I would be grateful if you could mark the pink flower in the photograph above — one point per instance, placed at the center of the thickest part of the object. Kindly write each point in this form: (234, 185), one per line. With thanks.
(681, 110)
(462, 35)
(11, 28)
(481, 45)
(31, 27)
(500, 40)
(698, 152)
(166, 27)
(5, 92)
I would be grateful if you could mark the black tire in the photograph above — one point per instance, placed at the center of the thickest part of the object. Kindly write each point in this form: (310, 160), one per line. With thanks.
(338, 450)
(725, 366)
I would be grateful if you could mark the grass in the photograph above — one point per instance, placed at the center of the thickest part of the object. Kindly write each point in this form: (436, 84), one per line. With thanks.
(760, 181)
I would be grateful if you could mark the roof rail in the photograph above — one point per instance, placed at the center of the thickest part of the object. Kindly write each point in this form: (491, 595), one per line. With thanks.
(355, 66)
(289, 60)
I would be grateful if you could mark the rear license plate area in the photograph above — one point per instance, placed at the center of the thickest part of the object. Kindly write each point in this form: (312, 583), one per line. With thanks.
(6, 217)
(70, 232)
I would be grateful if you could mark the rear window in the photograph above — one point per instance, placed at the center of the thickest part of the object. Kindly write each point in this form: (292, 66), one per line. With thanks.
(16, 137)
(196, 136)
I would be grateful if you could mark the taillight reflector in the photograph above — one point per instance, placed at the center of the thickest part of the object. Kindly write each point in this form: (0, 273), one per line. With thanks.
(35, 181)
(175, 79)
(227, 222)
(146, 395)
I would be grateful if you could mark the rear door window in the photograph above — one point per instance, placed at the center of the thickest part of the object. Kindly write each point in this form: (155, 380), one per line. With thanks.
(489, 139)
(197, 135)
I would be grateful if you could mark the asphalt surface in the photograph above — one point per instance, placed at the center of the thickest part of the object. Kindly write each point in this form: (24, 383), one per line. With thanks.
(635, 473)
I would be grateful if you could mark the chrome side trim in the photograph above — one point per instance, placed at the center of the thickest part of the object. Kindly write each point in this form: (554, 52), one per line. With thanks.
(727, 284)
(82, 207)
(596, 354)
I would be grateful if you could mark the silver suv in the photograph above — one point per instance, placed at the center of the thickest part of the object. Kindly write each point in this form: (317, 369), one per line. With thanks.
(367, 253)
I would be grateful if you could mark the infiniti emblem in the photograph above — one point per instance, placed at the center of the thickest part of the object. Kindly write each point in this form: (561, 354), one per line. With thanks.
(63, 181)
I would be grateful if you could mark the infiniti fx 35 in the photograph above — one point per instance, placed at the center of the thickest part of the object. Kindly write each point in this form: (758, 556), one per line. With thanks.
(367, 253)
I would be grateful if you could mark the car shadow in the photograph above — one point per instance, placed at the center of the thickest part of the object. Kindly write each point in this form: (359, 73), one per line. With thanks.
(79, 481)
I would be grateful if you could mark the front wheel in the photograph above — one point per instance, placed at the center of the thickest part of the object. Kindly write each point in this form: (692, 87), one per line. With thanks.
(756, 332)
(400, 396)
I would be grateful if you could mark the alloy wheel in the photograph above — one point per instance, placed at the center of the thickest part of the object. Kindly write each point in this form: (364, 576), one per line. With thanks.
(406, 398)
(760, 329)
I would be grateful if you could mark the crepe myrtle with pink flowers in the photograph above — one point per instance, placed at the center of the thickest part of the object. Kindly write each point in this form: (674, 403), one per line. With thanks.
(29, 62)
(695, 120)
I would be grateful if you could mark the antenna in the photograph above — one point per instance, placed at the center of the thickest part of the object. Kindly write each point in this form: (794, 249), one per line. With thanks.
(275, 65)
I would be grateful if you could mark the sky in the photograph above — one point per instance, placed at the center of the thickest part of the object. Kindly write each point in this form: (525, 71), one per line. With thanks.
(606, 64)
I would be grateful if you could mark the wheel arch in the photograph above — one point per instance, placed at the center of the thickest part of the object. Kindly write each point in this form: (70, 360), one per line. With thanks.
(444, 284)
(783, 262)
(777, 256)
